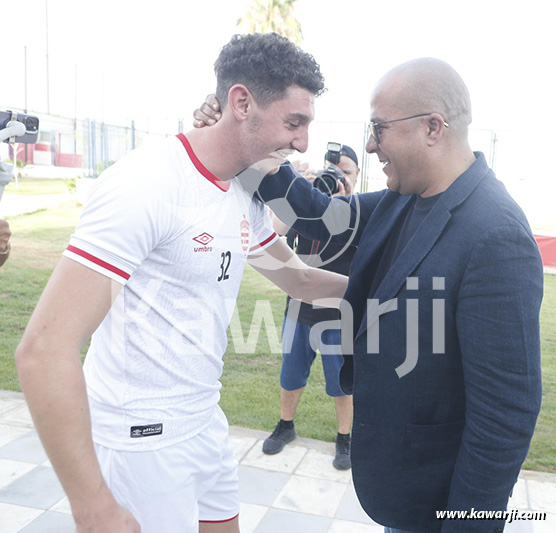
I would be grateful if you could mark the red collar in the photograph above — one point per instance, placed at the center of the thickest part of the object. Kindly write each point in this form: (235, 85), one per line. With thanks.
(222, 185)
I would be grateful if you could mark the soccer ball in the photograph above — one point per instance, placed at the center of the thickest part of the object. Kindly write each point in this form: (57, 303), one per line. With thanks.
(336, 218)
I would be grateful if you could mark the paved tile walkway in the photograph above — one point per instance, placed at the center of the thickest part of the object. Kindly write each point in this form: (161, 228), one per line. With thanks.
(297, 490)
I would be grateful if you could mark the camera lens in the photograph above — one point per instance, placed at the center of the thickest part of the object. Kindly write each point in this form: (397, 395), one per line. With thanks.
(326, 183)
(32, 124)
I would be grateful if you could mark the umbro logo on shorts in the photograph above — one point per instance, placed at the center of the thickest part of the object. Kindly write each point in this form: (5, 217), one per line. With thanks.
(145, 431)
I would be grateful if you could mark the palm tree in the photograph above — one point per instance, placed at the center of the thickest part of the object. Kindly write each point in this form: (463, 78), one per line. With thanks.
(264, 16)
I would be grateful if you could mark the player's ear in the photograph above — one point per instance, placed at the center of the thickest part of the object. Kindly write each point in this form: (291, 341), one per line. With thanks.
(240, 101)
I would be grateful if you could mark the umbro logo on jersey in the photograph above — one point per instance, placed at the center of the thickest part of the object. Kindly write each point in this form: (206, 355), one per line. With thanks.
(145, 431)
(204, 238)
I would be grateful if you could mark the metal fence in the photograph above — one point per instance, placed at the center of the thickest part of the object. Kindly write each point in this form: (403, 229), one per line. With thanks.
(93, 145)
(68, 148)
(88, 145)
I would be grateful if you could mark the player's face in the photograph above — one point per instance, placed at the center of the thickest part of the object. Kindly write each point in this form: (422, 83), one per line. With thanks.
(284, 125)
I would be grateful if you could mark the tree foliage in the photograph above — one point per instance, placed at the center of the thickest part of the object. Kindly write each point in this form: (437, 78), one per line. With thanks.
(265, 16)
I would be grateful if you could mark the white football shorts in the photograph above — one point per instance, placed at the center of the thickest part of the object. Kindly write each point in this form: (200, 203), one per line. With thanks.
(174, 488)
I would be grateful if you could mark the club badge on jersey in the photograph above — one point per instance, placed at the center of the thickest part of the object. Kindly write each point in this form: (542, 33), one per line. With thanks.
(244, 227)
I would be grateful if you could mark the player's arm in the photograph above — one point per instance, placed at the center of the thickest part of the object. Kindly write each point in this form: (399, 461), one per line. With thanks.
(74, 302)
(279, 227)
(280, 265)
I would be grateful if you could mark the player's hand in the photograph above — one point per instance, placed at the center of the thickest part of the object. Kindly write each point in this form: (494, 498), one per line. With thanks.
(114, 519)
(208, 114)
(5, 235)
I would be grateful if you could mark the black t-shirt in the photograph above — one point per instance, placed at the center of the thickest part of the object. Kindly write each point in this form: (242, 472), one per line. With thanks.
(400, 236)
(310, 250)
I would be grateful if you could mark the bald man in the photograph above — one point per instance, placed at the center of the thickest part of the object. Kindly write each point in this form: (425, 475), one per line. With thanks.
(445, 290)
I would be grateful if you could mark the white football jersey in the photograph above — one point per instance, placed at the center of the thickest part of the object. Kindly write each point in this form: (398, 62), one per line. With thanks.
(177, 238)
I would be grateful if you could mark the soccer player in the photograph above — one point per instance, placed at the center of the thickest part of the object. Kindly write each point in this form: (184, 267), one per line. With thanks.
(152, 273)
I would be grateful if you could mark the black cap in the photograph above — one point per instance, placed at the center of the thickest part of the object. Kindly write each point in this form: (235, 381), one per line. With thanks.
(349, 152)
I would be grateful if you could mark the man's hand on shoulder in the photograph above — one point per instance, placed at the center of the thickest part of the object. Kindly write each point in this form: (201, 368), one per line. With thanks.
(208, 114)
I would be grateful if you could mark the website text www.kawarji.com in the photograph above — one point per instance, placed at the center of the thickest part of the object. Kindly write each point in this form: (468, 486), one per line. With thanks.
(508, 516)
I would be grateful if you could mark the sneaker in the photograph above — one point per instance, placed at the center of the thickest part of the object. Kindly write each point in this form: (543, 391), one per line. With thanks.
(279, 438)
(342, 461)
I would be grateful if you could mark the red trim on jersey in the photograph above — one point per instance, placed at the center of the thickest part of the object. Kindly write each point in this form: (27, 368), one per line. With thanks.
(266, 241)
(313, 253)
(222, 185)
(219, 521)
(98, 261)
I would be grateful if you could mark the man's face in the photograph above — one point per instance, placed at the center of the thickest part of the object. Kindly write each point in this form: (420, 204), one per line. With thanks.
(351, 172)
(283, 126)
(399, 150)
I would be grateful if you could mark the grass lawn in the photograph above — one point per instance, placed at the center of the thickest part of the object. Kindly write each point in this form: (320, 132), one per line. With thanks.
(37, 242)
(542, 455)
(250, 393)
(251, 382)
(29, 186)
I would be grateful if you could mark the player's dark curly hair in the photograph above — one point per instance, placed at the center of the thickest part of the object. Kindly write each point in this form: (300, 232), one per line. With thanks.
(267, 64)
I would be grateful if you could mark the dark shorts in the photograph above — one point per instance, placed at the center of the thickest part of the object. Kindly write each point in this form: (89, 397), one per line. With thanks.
(296, 363)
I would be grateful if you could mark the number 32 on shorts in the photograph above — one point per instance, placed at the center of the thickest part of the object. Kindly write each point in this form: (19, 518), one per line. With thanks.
(224, 266)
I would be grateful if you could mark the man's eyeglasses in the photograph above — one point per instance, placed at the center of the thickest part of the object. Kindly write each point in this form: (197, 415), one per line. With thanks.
(375, 126)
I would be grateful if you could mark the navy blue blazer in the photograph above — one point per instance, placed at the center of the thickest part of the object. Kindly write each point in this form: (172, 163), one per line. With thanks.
(451, 430)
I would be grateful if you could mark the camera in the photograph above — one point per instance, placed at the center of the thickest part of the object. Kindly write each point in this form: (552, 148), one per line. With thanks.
(15, 127)
(327, 179)
(29, 135)
(333, 153)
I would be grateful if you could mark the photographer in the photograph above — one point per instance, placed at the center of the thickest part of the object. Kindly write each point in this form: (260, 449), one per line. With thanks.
(5, 247)
(25, 129)
(337, 179)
